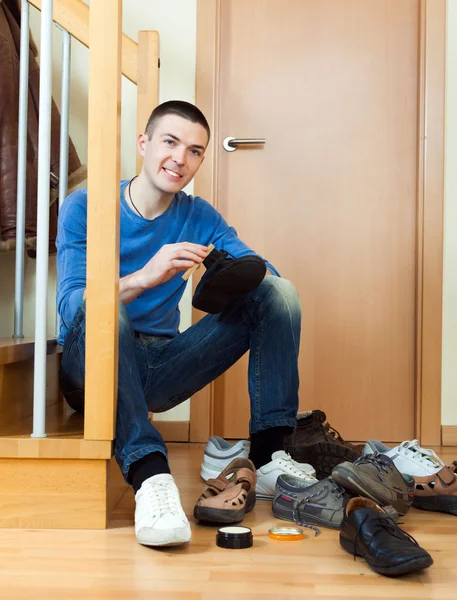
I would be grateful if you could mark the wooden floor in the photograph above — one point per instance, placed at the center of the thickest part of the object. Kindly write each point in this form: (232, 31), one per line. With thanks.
(86, 565)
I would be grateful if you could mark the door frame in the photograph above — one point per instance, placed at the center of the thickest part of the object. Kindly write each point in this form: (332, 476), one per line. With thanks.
(430, 205)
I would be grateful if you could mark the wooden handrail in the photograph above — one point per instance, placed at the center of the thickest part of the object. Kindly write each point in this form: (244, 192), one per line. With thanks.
(147, 89)
(73, 15)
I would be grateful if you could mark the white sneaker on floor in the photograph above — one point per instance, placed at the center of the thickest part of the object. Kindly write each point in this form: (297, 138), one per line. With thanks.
(219, 453)
(408, 457)
(159, 517)
(281, 463)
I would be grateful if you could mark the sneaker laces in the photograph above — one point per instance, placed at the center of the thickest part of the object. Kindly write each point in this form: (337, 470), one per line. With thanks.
(296, 518)
(164, 498)
(422, 455)
(291, 466)
(332, 487)
(304, 467)
(332, 432)
(378, 460)
(337, 490)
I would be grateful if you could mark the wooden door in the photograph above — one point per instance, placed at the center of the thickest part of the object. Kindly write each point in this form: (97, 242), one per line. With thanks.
(331, 199)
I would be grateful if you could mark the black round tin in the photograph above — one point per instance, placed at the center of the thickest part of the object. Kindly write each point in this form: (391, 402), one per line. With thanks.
(234, 537)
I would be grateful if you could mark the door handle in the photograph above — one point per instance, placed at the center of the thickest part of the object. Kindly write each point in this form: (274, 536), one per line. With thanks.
(230, 143)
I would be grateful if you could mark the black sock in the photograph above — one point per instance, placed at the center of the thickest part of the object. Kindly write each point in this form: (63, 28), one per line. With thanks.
(152, 464)
(265, 442)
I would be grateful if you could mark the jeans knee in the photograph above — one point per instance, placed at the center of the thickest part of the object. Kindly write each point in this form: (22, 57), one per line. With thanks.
(283, 295)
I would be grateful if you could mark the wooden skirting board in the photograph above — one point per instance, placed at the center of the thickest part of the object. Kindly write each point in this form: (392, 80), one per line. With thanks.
(449, 435)
(172, 431)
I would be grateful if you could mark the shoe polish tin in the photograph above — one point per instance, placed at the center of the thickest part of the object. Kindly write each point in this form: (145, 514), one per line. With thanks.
(234, 537)
(286, 534)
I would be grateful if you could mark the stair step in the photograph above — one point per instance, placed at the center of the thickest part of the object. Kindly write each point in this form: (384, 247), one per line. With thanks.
(61, 422)
(65, 437)
(12, 350)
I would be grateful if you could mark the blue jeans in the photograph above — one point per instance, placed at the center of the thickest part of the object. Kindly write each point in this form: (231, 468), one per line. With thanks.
(157, 373)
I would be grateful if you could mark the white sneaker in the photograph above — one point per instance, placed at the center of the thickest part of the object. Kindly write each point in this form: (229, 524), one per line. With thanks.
(219, 453)
(159, 517)
(281, 463)
(408, 457)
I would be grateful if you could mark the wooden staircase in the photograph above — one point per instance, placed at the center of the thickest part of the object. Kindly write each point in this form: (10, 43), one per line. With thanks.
(63, 480)
(70, 479)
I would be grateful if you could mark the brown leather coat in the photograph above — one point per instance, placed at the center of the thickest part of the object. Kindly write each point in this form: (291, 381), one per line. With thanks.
(9, 109)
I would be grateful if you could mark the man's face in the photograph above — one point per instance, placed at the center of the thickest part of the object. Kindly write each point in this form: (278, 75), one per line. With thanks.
(173, 154)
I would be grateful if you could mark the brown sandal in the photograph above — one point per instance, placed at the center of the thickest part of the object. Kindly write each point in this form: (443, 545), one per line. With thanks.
(437, 492)
(227, 500)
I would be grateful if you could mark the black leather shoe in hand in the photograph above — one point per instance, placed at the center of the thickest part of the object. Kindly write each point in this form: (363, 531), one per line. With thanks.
(226, 279)
(367, 531)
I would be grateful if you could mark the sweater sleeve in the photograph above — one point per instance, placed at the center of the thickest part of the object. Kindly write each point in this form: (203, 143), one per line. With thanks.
(71, 255)
(215, 230)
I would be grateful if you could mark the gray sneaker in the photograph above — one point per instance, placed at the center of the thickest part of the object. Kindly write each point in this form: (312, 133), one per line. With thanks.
(376, 477)
(321, 503)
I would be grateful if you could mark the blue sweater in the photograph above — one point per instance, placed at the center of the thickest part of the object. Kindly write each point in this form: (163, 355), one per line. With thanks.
(155, 311)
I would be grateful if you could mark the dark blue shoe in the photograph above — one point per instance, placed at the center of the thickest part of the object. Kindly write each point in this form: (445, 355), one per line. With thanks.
(320, 503)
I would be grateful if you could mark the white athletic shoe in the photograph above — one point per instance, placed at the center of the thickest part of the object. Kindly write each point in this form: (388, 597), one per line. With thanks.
(281, 463)
(408, 457)
(219, 453)
(159, 517)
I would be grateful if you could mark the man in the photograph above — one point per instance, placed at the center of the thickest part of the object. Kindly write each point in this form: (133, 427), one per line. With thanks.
(163, 233)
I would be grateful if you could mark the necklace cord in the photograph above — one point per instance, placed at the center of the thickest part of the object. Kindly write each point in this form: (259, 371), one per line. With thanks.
(130, 197)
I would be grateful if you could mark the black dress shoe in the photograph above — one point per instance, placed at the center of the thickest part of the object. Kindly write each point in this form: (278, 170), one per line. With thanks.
(367, 531)
(226, 279)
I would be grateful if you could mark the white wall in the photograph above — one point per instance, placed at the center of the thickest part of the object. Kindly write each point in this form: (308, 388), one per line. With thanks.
(7, 267)
(176, 22)
(449, 381)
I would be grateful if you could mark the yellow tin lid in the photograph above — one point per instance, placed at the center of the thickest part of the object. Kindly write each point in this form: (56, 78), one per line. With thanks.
(286, 534)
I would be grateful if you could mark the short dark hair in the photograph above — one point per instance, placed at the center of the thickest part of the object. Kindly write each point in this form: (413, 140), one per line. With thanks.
(186, 110)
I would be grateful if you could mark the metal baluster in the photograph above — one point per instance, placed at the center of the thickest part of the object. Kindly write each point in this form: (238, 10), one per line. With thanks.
(64, 119)
(21, 172)
(44, 158)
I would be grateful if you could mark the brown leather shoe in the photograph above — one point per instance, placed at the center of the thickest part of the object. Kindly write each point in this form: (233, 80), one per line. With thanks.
(437, 492)
(228, 497)
(315, 442)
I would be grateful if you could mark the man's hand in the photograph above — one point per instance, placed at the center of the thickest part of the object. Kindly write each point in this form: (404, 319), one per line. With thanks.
(169, 260)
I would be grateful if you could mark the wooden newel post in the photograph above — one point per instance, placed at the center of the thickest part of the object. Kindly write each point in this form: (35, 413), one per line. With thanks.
(102, 295)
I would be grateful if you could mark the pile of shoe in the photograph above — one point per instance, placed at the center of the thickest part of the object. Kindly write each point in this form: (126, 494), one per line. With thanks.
(322, 480)
(219, 454)
(363, 499)
(435, 484)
